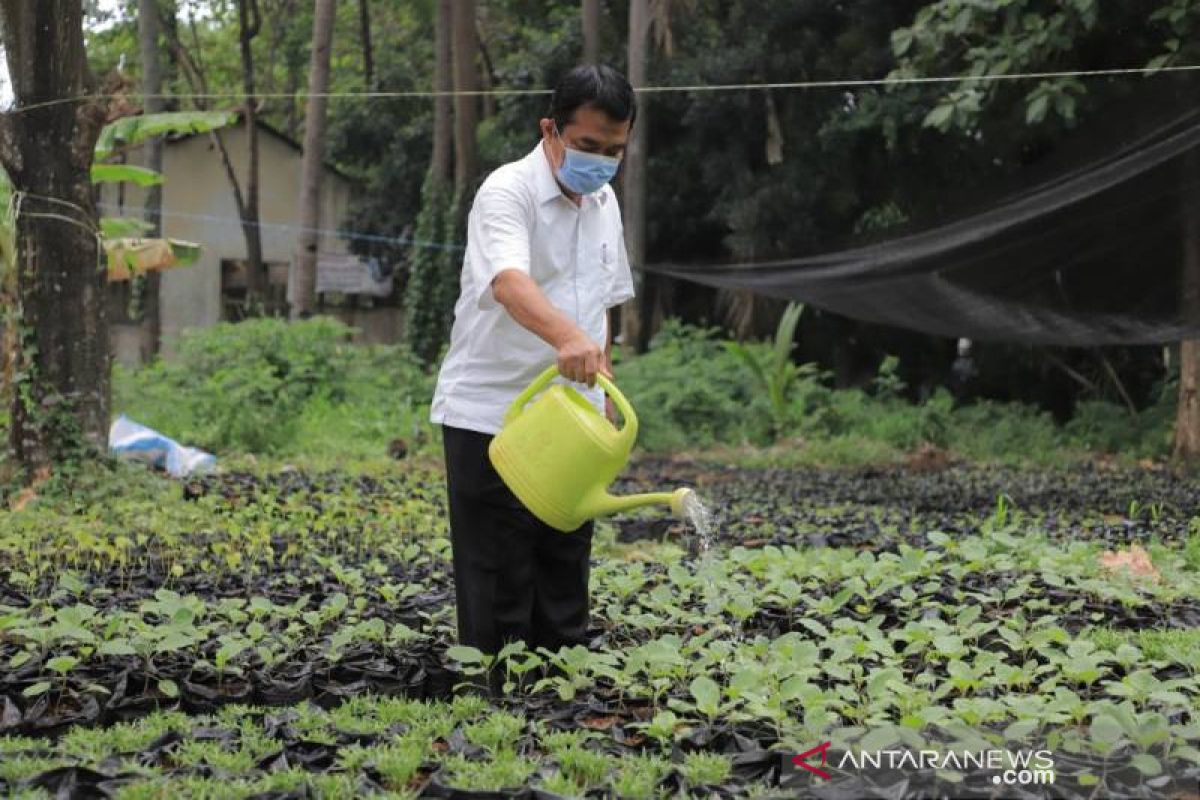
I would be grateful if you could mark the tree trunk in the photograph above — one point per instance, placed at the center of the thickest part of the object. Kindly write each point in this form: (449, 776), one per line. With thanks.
(441, 161)
(465, 48)
(487, 74)
(250, 22)
(1187, 419)
(302, 288)
(1187, 416)
(292, 112)
(148, 285)
(56, 348)
(590, 13)
(364, 25)
(635, 173)
(428, 289)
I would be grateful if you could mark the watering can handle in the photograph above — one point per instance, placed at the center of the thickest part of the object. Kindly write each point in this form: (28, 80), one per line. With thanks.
(629, 430)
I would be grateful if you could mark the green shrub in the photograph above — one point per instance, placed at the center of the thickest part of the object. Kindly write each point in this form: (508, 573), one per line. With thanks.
(689, 391)
(692, 391)
(773, 368)
(1109, 428)
(263, 385)
(1005, 431)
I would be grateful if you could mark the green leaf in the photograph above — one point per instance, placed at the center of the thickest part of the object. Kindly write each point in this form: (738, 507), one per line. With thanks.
(131, 131)
(902, 40)
(814, 626)
(168, 687)
(465, 655)
(174, 640)
(939, 117)
(1171, 697)
(1146, 764)
(1105, 729)
(115, 647)
(510, 649)
(880, 738)
(117, 173)
(748, 358)
(41, 687)
(123, 227)
(62, 664)
(1158, 62)
(707, 695)
(1064, 105)
(1019, 731)
(1035, 112)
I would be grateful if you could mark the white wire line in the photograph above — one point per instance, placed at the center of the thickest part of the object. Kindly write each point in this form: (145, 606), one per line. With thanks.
(841, 83)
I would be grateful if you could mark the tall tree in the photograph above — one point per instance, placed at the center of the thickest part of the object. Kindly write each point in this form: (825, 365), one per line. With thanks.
(641, 315)
(249, 25)
(1187, 415)
(147, 285)
(303, 284)
(465, 57)
(634, 179)
(56, 349)
(441, 161)
(465, 45)
(364, 29)
(590, 16)
(424, 318)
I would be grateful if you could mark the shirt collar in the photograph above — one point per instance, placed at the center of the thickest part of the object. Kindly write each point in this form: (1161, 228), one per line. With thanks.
(547, 187)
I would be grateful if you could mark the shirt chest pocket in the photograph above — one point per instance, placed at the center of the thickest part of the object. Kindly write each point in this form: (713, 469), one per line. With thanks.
(599, 266)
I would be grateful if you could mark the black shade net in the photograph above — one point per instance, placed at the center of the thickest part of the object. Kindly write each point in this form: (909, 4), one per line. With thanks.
(1092, 256)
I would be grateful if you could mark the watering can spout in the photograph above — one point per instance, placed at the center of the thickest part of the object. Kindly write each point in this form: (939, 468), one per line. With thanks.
(607, 504)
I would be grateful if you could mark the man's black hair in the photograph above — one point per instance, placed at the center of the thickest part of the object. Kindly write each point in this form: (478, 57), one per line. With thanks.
(596, 85)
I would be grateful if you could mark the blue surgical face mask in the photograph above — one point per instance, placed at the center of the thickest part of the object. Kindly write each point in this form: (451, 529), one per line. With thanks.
(584, 173)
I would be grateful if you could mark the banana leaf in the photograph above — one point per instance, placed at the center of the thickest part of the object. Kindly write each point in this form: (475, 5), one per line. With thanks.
(128, 257)
(123, 227)
(116, 173)
(131, 131)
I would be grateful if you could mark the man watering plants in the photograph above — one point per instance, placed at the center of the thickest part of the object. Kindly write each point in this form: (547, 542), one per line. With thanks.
(545, 261)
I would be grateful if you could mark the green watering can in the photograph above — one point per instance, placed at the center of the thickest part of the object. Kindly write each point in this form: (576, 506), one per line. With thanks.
(559, 455)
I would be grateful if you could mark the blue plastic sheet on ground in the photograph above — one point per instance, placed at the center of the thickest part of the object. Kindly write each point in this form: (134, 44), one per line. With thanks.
(136, 442)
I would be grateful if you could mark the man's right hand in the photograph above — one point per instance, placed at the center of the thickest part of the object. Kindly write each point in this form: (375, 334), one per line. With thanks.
(579, 359)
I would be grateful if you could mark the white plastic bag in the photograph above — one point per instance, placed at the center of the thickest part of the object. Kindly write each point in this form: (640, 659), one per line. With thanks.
(134, 441)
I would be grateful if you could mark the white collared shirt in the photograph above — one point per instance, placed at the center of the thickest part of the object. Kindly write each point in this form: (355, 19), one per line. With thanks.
(520, 219)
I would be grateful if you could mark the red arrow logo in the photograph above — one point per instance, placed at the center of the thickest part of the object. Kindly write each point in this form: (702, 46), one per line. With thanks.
(802, 760)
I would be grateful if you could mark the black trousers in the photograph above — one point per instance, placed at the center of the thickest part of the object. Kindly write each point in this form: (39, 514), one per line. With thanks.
(515, 577)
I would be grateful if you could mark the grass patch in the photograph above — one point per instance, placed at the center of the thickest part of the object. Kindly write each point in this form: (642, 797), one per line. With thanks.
(1179, 646)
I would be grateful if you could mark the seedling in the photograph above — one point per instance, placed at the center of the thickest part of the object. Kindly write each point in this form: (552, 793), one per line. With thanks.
(706, 769)
(496, 732)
